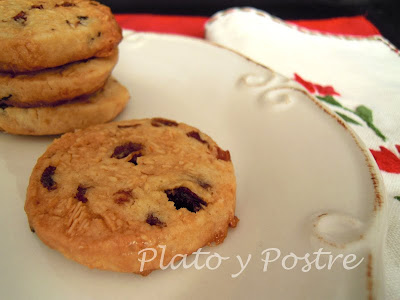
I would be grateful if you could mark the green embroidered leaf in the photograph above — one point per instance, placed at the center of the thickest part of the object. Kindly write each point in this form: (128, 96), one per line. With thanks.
(361, 111)
(347, 119)
(377, 131)
(329, 99)
(364, 113)
(397, 198)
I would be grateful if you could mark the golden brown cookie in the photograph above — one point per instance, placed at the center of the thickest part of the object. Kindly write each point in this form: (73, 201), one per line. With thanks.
(81, 112)
(103, 194)
(52, 85)
(38, 34)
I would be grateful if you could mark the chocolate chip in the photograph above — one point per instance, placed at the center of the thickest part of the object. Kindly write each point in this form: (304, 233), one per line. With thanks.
(37, 6)
(223, 155)
(129, 126)
(134, 158)
(4, 105)
(80, 194)
(47, 178)
(65, 4)
(21, 17)
(158, 122)
(196, 135)
(32, 229)
(154, 221)
(99, 35)
(82, 18)
(126, 149)
(123, 196)
(184, 197)
(6, 98)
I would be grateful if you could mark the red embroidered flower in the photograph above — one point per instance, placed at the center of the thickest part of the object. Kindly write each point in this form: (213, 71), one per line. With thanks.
(387, 160)
(313, 87)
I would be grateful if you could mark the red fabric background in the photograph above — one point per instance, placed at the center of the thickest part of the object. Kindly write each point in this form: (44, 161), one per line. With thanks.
(194, 26)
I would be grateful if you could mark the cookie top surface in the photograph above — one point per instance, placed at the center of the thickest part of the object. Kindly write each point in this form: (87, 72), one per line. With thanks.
(42, 34)
(131, 185)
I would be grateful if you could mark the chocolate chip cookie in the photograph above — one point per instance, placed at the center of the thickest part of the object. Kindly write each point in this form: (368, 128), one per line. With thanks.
(49, 86)
(64, 116)
(38, 34)
(102, 194)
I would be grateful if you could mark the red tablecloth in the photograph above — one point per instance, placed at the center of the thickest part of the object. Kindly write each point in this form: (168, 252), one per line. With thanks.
(194, 26)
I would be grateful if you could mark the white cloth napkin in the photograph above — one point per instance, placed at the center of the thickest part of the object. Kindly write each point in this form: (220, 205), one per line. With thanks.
(359, 78)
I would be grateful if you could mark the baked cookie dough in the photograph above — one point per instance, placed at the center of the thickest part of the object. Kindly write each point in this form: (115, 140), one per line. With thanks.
(103, 194)
(48, 86)
(80, 112)
(37, 34)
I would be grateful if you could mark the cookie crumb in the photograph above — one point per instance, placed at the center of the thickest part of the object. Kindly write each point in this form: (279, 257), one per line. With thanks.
(233, 222)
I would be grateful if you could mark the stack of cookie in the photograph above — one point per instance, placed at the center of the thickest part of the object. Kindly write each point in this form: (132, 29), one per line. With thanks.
(56, 58)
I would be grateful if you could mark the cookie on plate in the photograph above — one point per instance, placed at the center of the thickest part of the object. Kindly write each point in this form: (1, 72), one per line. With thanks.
(37, 34)
(49, 86)
(100, 107)
(102, 194)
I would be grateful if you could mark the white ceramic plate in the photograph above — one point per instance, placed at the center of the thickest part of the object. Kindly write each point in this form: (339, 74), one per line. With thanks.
(305, 182)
